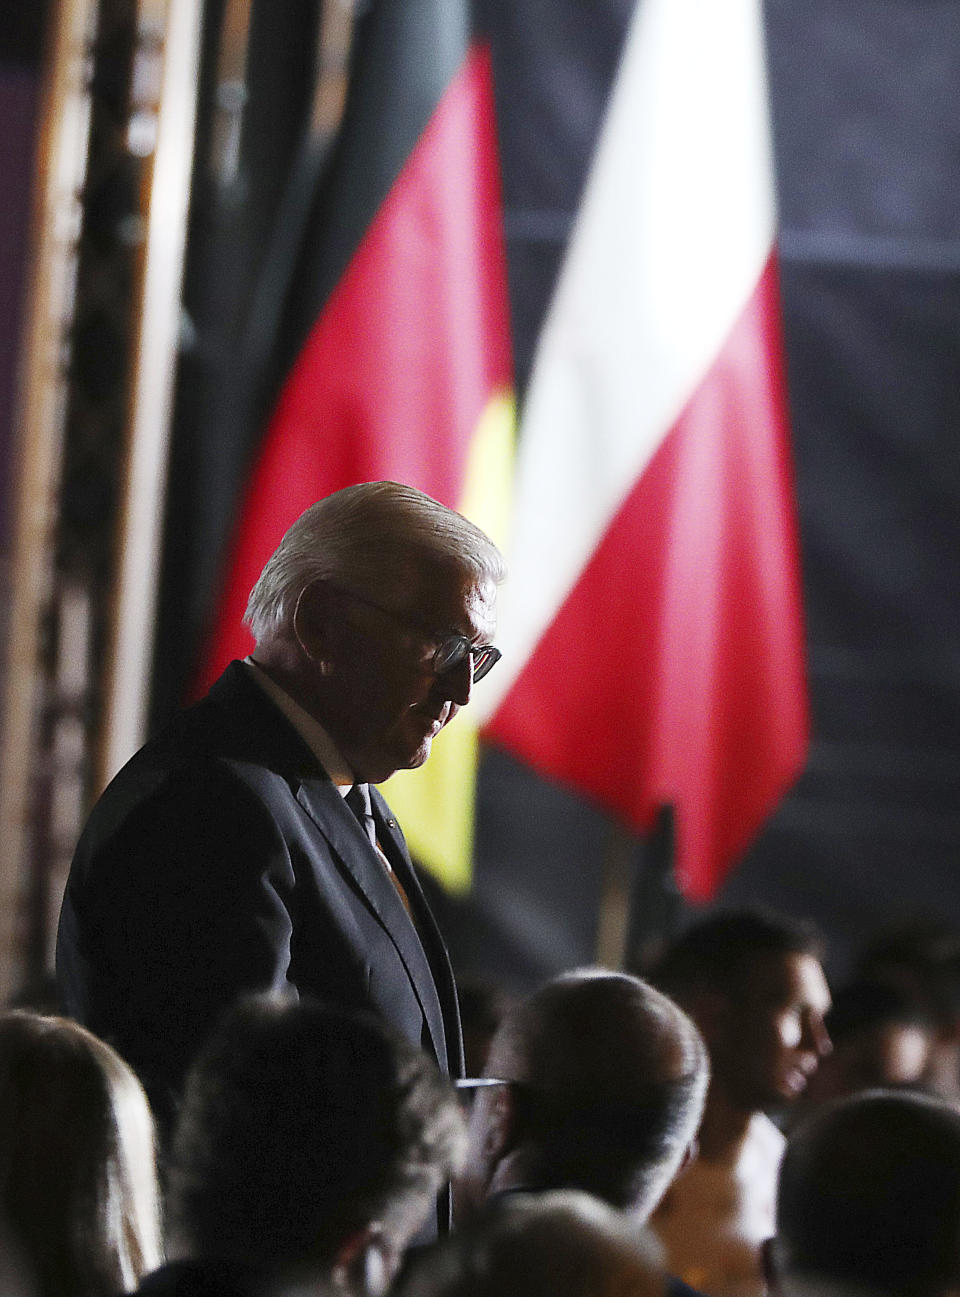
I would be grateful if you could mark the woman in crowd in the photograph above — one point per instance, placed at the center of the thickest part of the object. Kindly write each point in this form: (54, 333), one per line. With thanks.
(78, 1187)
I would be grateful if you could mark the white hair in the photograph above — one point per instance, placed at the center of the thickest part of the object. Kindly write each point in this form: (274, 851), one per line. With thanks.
(363, 536)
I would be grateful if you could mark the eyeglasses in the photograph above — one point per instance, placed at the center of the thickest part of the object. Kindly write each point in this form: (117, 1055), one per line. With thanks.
(451, 650)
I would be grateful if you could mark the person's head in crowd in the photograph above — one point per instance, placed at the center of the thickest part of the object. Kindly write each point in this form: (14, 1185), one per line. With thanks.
(375, 614)
(922, 958)
(78, 1187)
(604, 1087)
(869, 1200)
(312, 1142)
(754, 985)
(882, 1037)
(562, 1244)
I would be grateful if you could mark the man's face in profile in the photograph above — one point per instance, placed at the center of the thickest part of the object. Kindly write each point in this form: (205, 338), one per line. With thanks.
(773, 1033)
(391, 703)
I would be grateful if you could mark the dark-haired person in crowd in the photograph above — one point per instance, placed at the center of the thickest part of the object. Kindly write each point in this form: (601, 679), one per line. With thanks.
(79, 1205)
(882, 1036)
(309, 1149)
(244, 848)
(563, 1244)
(869, 1201)
(922, 958)
(601, 1087)
(754, 985)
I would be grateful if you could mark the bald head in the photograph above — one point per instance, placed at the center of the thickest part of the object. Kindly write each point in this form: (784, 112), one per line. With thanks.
(608, 1078)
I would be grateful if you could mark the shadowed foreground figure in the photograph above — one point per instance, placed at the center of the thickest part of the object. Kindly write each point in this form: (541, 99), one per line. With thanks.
(753, 984)
(869, 1201)
(563, 1244)
(242, 849)
(309, 1150)
(604, 1086)
(79, 1208)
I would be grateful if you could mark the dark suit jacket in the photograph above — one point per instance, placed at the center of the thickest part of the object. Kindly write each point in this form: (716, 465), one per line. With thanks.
(223, 860)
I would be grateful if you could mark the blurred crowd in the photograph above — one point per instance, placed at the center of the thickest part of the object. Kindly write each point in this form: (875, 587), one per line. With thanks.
(722, 1121)
(257, 1087)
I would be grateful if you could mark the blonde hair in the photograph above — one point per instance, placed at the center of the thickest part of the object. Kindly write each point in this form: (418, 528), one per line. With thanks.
(364, 536)
(78, 1184)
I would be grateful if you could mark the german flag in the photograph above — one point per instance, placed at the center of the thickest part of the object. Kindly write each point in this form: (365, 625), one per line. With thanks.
(396, 336)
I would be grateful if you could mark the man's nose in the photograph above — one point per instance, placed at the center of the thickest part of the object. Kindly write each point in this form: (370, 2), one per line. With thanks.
(817, 1038)
(457, 683)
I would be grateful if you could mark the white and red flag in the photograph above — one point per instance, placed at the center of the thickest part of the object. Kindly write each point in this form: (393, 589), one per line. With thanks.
(651, 628)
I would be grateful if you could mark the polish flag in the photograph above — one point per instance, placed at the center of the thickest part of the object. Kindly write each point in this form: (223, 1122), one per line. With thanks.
(651, 629)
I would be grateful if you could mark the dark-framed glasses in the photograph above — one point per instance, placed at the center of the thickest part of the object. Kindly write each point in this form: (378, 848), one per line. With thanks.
(452, 649)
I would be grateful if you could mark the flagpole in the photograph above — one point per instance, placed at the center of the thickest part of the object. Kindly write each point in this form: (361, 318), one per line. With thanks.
(616, 892)
(130, 644)
(656, 907)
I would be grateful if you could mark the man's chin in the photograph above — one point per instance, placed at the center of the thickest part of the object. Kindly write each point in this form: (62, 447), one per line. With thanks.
(401, 761)
(419, 757)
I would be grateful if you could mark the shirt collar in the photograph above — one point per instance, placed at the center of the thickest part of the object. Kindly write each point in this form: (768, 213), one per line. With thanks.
(308, 727)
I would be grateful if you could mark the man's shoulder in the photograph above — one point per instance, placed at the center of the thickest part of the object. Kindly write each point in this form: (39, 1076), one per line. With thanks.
(212, 766)
(763, 1146)
(232, 732)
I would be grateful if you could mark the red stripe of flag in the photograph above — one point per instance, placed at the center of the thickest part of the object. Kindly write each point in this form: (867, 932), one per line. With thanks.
(673, 673)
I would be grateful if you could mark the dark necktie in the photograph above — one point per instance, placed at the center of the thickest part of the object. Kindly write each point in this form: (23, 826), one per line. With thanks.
(358, 799)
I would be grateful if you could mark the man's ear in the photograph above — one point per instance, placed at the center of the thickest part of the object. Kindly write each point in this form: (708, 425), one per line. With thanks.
(312, 619)
(502, 1134)
(366, 1262)
(690, 1155)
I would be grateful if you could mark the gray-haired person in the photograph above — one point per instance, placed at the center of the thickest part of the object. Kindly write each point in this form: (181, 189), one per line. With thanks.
(243, 849)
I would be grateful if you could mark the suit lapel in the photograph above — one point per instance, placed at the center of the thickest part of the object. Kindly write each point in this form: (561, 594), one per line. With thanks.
(324, 804)
(394, 845)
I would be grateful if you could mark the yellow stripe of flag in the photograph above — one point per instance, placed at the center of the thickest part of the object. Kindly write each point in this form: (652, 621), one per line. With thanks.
(435, 804)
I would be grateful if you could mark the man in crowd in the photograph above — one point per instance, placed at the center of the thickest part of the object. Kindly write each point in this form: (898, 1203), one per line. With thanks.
(882, 1036)
(922, 959)
(600, 1083)
(243, 848)
(754, 985)
(869, 1201)
(310, 1147)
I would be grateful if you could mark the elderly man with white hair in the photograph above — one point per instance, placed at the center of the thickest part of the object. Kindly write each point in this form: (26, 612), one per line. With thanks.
(243, 849)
